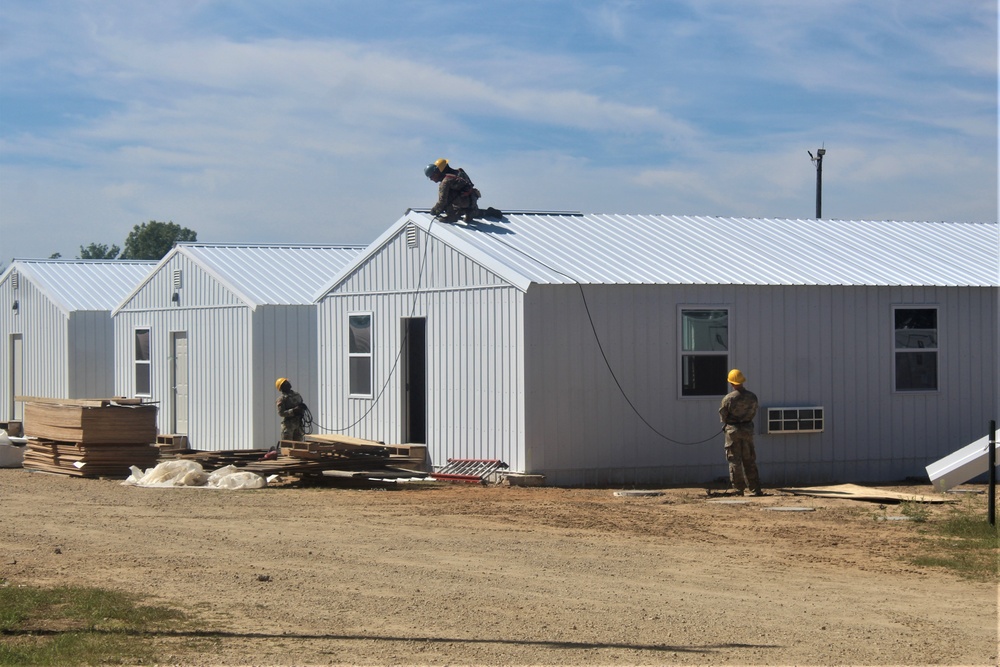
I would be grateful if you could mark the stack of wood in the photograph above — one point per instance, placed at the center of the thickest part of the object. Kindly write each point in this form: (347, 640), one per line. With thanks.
(100, 437)
(324, 455)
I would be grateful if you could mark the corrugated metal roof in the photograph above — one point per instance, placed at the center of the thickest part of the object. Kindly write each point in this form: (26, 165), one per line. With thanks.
(272, 274)
(659, 249)
(83, 284)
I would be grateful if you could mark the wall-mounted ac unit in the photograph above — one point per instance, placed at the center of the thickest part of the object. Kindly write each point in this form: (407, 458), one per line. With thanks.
(795, 420)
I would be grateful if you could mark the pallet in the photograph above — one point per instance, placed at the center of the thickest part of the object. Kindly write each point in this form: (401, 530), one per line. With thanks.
(172, 443)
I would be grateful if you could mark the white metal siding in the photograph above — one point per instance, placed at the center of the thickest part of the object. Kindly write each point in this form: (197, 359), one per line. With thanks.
(234, 354)
(474, 348)
(220, 335)
(828, 346)
(45, 330)
(284, 345)
(63, 318)
(91, 354)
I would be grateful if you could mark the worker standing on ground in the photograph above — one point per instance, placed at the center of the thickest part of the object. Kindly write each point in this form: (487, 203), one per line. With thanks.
(737, 411)
(458, 198)
(291, 409)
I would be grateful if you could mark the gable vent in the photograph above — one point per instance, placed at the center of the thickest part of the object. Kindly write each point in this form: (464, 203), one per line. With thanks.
(177, 278)
(411, 235)
(14, 279)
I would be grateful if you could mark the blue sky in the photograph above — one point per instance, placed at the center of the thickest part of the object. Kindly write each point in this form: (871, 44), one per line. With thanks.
(311, 121)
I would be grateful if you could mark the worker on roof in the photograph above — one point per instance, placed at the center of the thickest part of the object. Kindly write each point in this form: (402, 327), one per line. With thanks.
(737, 411)
(458, 198)
(292, 410)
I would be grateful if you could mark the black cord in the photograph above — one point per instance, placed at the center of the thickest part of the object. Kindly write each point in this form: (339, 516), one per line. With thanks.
(402, 344)
(607, 363)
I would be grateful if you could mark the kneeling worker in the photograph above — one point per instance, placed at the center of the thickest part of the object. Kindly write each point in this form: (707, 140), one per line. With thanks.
(458, 198)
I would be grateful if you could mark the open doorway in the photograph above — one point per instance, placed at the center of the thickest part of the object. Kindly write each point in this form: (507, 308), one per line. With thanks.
(414, 378)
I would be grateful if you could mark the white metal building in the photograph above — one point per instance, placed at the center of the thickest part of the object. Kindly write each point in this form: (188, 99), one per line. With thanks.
(55, 322)
(593, 349)
(212, 327)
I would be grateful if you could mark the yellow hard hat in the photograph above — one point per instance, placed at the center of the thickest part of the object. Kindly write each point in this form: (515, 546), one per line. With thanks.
(279, 382)
(440, 163)
(736, 376)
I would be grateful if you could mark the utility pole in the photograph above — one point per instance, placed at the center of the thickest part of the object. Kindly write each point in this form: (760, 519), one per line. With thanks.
(819, 180)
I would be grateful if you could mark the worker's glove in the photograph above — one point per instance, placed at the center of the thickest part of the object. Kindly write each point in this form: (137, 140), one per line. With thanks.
(435, 211)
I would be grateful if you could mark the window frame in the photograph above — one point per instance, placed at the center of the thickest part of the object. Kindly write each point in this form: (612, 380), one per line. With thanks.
(936, 350)
(353, 356)
(683, 354)
(142, 363)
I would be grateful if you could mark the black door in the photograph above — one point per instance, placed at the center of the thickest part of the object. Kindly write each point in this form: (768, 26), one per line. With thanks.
(414, 380)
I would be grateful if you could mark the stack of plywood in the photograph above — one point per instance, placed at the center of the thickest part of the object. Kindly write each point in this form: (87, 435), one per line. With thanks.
(89, 437)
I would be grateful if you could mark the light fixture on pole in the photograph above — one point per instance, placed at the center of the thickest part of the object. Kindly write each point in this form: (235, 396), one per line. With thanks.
(818, 159)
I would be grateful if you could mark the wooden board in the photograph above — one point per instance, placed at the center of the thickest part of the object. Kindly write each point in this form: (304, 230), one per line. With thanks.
(81, 402)
(856, 492)
(341, 439)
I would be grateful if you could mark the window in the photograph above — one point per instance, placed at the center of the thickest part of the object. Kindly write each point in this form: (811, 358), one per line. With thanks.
(915, 345)
(795, 420)
(360, 355)
(143, 368)
(704, 352)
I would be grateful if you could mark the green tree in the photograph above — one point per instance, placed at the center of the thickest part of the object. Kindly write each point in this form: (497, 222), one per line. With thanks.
(153, 240)
(99, 251)
(55, 255)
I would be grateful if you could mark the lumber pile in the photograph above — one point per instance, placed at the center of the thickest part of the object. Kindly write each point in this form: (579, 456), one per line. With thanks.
(323, 455)
(347, 452)
(100, 437)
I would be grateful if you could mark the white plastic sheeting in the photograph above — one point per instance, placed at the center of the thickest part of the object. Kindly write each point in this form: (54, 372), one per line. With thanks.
(190, 473)
(11, 451)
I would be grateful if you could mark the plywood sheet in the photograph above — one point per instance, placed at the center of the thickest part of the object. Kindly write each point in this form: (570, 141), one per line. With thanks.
(857, 492)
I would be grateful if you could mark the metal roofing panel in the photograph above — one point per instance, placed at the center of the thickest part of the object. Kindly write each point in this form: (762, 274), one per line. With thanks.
(272, 274)
(84, 284)
(660, 249)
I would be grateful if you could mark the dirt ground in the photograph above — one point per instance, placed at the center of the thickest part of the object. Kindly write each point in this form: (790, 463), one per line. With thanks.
(450, 574)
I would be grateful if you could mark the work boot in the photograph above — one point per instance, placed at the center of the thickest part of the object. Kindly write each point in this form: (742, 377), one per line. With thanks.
(470, 218)
(757, 492)
(737, 492)
(492, 213)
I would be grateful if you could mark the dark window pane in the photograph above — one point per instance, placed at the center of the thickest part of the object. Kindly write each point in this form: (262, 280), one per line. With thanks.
(142, 384)
(361, 334)
(916, 371)
(360, 370)
(705, 375)
(142, 345)
(916, 328)
(705, 330)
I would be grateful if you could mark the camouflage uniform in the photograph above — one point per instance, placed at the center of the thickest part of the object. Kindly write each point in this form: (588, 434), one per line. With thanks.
(290, 407)
(737, 411)
(457, 197)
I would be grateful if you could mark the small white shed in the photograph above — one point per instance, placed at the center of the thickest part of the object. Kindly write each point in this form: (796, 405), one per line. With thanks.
(593, 349)
(212, 327)
(55, 319)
